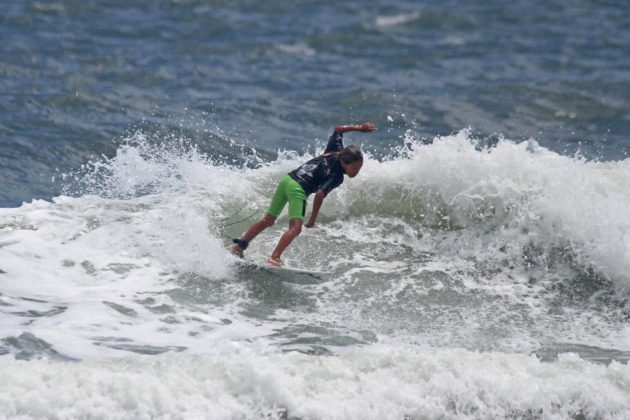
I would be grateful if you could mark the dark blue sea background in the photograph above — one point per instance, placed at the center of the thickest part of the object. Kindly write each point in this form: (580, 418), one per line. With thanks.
(78, 76)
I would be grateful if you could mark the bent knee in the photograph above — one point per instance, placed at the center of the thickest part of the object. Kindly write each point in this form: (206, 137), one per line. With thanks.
(268, 221)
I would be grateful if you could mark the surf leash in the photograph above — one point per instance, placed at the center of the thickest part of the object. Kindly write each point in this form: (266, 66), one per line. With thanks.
(238, 221)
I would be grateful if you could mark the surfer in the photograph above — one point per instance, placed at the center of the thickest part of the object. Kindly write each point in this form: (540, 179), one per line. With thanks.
(320, 176)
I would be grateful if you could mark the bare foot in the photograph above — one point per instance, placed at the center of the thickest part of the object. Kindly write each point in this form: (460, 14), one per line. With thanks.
(276, 262)
(236, 250)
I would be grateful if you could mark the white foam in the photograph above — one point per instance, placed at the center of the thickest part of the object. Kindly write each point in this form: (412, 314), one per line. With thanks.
(300, 48)
(398, 19)
(380, 382)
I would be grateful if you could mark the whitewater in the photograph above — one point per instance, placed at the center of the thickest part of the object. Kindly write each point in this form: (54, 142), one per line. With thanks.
(468, 282)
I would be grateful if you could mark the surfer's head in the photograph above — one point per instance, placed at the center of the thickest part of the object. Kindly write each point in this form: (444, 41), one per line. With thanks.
(351, 160)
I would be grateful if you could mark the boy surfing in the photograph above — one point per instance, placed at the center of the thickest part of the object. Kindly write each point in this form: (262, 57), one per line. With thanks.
(320, 176)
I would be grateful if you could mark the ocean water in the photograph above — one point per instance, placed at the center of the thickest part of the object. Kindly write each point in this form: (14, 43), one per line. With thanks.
(480, 261)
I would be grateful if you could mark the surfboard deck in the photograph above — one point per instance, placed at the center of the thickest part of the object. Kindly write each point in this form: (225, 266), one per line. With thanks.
(290, 274)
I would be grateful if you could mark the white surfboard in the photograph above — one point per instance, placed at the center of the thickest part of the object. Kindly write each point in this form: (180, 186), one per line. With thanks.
(290, 274)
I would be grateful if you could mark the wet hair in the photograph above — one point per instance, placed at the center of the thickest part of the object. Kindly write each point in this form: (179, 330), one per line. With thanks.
(350, 154)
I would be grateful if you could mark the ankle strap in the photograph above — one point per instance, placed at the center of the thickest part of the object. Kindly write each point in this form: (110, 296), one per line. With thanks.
(241, 243)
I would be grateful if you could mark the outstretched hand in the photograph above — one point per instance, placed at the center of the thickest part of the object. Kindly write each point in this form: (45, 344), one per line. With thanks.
(367, 127)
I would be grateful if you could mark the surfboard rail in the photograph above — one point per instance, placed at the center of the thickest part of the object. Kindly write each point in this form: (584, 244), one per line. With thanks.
(290, 274)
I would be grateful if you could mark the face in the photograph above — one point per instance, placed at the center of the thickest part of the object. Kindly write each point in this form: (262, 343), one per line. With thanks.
(352, 169)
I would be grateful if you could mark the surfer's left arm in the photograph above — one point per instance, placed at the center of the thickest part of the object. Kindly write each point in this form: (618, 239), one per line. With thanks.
(335, 142)
(366, 127)
(317, 204)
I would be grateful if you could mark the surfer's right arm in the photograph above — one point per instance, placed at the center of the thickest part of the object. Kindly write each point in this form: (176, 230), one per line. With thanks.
(317, 204)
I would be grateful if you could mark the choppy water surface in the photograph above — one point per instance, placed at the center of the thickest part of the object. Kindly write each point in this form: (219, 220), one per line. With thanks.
(480, 260)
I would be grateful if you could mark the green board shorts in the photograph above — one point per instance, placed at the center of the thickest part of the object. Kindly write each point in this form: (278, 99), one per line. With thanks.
(290, 191)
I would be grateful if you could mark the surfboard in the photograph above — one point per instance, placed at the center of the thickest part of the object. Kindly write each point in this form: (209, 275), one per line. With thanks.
(290, 274)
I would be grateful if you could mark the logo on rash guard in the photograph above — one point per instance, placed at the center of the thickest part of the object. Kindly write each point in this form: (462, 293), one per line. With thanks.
(306, 169)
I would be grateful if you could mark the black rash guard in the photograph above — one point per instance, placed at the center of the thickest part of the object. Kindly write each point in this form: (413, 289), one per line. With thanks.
(335, 142)
(323, 172)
